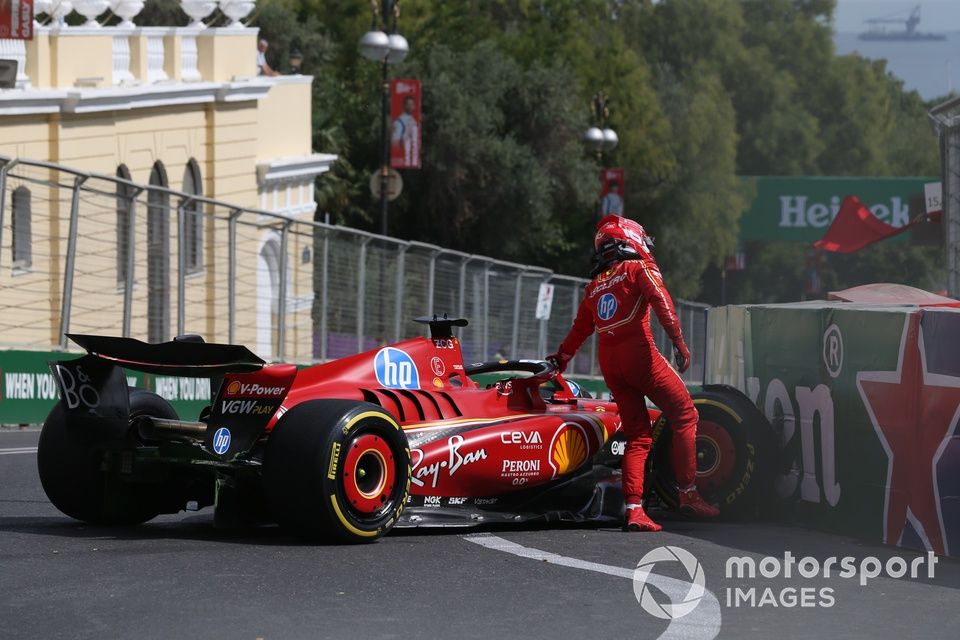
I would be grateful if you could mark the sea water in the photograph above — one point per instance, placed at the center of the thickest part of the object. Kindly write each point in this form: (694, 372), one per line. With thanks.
(931, 67)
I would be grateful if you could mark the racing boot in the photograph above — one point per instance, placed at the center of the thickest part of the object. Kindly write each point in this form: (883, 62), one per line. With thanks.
(693, 504)
(638, 520)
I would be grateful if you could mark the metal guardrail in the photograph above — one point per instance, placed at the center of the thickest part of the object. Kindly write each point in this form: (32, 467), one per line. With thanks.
(291, 289)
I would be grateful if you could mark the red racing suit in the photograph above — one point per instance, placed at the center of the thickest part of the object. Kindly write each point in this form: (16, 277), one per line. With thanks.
(617, 306)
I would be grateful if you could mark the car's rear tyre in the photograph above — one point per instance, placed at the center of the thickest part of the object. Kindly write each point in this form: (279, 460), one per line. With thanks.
(736, 455)
(337, 470)
(71, 463)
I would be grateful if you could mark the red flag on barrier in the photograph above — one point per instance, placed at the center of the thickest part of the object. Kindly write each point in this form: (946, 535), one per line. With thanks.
(855, 227)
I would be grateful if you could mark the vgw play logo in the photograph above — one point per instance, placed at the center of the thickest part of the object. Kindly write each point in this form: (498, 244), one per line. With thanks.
(395, 369)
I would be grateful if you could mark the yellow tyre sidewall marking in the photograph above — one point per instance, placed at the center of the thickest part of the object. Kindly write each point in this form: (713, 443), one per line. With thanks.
(334, 468)
(719, 405)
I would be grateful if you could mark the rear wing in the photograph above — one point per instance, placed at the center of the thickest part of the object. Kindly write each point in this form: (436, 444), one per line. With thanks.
(181, 357)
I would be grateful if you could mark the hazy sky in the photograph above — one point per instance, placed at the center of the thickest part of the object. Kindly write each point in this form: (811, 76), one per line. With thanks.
(936, 15)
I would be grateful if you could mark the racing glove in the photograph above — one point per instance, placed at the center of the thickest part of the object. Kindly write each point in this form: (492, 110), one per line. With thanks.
(681, 354)
(559, 360)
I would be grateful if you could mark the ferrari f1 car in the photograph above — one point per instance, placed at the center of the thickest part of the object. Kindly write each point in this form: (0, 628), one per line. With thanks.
(400, 436)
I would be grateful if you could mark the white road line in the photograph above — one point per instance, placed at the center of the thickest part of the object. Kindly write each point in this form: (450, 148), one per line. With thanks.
(701, 624)
(15, 450)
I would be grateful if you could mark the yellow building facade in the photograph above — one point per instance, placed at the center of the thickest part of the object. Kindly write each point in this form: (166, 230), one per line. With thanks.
(173, 108)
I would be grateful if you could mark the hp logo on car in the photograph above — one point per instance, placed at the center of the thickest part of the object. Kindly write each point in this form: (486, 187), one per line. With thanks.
(395, 369)
(607, 306)
(221, 441)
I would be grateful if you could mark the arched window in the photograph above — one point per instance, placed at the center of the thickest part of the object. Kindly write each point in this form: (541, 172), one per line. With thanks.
(22, 234)
(268, 295)
(193, 219)
(158, 257)
(124, 220)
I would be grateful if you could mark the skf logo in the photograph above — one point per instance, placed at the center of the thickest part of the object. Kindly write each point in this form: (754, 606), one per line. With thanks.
(395, 369)
(607, 306)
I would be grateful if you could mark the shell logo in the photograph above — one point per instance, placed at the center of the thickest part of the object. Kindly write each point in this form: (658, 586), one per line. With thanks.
(233, 388)
(568, 449)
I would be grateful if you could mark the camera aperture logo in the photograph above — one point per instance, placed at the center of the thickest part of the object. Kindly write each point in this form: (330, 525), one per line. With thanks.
(642, 587)
(785, 581)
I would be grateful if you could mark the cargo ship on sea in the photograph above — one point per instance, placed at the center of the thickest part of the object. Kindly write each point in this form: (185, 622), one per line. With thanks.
(877, 28)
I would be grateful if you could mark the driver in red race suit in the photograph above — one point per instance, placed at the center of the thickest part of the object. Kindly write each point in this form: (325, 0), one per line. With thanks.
(626, 283)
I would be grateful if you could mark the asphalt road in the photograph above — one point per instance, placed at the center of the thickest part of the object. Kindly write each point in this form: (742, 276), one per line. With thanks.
(178, 577)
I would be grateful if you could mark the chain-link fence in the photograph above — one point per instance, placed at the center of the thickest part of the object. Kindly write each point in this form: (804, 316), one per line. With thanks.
(89, 253)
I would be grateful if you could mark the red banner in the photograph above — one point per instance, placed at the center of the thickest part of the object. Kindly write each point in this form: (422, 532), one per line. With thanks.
(405, 131)
(611, 192)
(16, 19)
(855, 227)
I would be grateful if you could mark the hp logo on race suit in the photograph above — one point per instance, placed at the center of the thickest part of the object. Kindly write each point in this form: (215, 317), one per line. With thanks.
(395, 369)
(607, 306)
(221, 441)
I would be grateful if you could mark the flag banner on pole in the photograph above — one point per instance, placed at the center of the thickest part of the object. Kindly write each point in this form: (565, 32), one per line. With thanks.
(405, 130)
(16, 19)
(611, 192)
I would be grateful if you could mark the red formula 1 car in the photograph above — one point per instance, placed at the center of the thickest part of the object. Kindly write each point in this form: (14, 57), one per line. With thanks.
(398, 436)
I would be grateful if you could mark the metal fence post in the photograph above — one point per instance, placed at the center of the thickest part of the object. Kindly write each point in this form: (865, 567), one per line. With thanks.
(182, 267)
(464, 261)
(323, 295)
(361, 292)
(431, 285)
(131, 241)
(70, 262)
(398, 301)
(282, 294)
(515, 330)
(232, 275)
(945, 119)
(3, 200)
(486, 312)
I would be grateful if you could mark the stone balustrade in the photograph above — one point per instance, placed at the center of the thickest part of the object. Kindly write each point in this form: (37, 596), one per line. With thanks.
(91, 56)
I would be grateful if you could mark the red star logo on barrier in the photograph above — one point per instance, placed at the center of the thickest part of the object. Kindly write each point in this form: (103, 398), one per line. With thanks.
(913, 413)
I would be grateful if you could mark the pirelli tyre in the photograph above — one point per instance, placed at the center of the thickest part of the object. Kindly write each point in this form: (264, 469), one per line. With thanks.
(736, 455)
(337, 470)
(71, 464)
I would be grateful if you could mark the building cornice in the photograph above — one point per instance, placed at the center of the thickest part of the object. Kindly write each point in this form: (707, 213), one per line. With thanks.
(124, 98)
(18, 102)
(291, 168)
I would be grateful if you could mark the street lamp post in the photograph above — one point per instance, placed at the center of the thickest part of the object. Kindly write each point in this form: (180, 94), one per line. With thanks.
(383, 44)
(600, 138)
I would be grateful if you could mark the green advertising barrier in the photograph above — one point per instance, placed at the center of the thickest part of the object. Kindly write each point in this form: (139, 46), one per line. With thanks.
(28, 390)
(801, 208)
(809, 368)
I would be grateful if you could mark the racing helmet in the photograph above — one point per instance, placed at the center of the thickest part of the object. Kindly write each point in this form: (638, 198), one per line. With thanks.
(620, 238)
